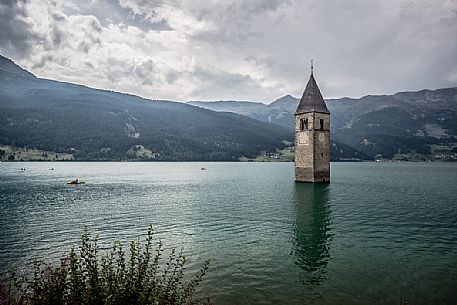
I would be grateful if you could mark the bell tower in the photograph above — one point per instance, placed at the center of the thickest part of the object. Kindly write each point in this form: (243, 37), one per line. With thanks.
(312, 136)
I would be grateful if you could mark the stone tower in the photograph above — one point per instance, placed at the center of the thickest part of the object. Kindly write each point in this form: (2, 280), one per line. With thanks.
(312, 136)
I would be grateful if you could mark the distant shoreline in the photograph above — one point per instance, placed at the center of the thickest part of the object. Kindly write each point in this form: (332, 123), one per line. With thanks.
(223, 161)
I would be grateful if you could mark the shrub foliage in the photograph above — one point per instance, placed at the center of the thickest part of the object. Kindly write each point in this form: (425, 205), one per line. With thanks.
(87, 276)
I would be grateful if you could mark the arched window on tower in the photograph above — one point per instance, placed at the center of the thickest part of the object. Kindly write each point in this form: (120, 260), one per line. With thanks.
(321, 121)
(303, 124)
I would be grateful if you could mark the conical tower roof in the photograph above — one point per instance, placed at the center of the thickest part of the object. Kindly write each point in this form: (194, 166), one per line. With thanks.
(312, 100)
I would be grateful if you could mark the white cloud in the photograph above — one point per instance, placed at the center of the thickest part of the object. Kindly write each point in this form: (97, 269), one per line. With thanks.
(250, 50)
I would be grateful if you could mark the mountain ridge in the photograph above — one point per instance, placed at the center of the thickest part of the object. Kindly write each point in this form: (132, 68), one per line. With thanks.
(94, 124)
(49, 115)
(425, 119)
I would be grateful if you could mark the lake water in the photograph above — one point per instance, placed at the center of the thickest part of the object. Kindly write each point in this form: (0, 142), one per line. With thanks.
(380, 233)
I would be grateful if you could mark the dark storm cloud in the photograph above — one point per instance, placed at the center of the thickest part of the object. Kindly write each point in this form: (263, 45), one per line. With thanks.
(56, 33)
(16, 36)
(117, 70)
(90, 36)
(236, 49)
(145, 72)
(43, 61)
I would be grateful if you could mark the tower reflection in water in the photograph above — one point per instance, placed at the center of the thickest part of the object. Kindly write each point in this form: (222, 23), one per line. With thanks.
(312, 233)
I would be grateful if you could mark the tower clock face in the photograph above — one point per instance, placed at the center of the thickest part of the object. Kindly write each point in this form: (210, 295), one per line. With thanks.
(303, 138)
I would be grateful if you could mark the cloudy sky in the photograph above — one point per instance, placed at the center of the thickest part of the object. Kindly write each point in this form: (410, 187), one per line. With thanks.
(256, 50)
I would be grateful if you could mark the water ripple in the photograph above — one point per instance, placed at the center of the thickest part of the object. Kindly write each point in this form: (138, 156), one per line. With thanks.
(378, 234)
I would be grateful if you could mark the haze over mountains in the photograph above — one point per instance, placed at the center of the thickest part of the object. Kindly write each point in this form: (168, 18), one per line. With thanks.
(91, 124)
(406, 124)
(96, 124)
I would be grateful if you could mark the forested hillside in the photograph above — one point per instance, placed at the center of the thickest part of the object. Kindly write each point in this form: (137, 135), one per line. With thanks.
(95, 124)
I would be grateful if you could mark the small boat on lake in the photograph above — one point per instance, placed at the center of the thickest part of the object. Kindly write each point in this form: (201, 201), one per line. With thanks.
(76, 181)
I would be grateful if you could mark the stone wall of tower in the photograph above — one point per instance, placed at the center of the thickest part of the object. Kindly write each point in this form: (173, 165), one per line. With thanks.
(312, 148)
(322, 148)
(304, 149)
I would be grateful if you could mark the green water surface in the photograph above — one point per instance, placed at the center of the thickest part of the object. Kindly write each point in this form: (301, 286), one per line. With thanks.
(380, 233)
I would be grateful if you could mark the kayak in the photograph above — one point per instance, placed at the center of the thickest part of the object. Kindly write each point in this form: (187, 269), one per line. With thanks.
(76, 181)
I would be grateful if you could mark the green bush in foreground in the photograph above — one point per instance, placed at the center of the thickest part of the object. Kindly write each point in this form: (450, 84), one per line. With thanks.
(88, 277)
